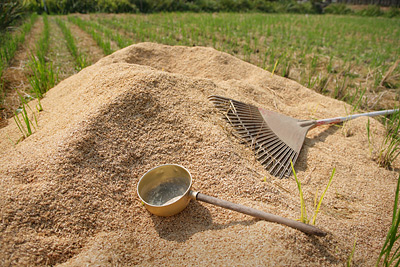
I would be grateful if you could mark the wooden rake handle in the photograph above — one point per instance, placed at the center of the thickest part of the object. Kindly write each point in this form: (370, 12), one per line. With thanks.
(305, 228)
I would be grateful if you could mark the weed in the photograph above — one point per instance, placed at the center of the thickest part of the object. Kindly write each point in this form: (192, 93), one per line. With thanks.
(297, 44)
(98, 37)
(43, 76)
(390, 254)
(303, 213)
(26, 125)
(9, 45)
(80, 59)
(273, 70)
(317, 204)
(390, 147)
(350, 259)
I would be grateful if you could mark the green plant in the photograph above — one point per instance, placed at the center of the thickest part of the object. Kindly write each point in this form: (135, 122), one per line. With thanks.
(26, 125)
(390, 253)
(317, 204)
(390, 147)
(43, 76)
(9, 43)
(392, 12)
(350, 259)
(303, 211)
(337, 9)
(80, 59)
(10, 12)
(98, 37)
(371, 11)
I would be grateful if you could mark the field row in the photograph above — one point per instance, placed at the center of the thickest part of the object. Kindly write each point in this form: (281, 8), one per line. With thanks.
(355, 59)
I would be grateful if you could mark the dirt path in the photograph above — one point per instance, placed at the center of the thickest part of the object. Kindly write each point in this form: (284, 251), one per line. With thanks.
(86, 44)
(63, 61)
(16, 76)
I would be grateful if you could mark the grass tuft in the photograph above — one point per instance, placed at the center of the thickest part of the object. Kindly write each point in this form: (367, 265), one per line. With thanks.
(317, 204)
(303, 214)
(25, 126)
(80, 59)
(390, 253)
(390, 147)
(43, 76)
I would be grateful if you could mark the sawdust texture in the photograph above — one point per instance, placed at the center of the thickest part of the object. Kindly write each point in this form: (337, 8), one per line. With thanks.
(68, 192)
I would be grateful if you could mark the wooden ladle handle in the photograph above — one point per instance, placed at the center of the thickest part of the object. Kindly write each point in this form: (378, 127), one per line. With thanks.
(306, 228)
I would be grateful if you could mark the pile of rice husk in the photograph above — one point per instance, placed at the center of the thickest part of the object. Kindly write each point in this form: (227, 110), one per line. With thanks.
(68, 191)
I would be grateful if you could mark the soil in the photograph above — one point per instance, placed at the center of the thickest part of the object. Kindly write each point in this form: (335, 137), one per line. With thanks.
(63, 61)
(86, 44)
(16, 75)
(68, 192)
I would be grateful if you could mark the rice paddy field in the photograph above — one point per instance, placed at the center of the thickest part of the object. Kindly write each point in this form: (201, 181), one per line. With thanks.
(355, 59)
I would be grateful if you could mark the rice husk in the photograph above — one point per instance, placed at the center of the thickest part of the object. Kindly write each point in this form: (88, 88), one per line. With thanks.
(68, 192)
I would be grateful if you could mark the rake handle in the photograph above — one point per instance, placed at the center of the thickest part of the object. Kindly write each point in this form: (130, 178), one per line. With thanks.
(351, 117)
(306, 228)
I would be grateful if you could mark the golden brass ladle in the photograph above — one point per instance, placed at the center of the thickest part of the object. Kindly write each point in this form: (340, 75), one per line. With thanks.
(166, 190)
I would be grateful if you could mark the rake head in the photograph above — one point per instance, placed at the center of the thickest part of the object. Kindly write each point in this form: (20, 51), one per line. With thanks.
(275, 138)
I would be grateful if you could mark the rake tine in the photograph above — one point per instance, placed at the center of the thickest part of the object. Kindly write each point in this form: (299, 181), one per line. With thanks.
(262, 152)
(245, 120)
(289, 157)
(275, 153)
(271, 144)
(257, 134)
(267, 133)
(271, 156)
(281, 154)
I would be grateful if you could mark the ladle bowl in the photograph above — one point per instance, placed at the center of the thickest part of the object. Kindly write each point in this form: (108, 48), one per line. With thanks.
(166, 190)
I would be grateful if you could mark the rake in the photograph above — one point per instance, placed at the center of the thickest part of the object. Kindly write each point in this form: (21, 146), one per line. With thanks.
(275, 138)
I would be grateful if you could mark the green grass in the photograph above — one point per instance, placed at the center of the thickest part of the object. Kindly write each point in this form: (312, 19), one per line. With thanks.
(388, 150)
(9, 43)
(102, 42)
(340, 56)
(390, 147)
(26, 126)
(350, 259)
(43, 75)
(317, 203)
(390, 252)
(11, 11)
(80, 58)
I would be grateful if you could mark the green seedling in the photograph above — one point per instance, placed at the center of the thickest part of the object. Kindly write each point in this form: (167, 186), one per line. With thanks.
(350, 259)
(303, 211)
(26, 125)
(273, 70)
(317, 204)
(43, 76)
(390, 252)
(95, 32)
(80, 59)
(390, 147)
